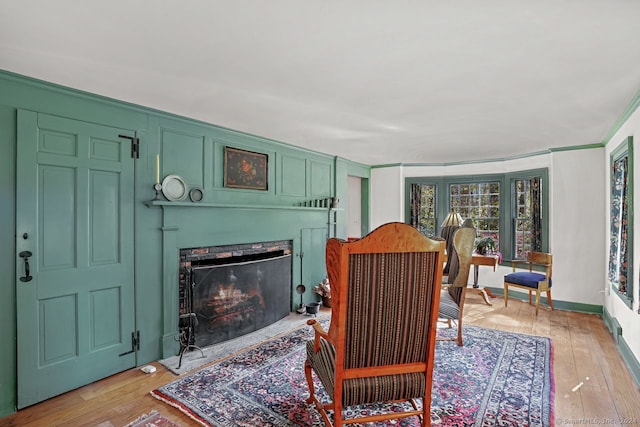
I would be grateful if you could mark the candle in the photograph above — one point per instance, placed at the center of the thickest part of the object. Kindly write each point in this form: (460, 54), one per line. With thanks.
(157, 168)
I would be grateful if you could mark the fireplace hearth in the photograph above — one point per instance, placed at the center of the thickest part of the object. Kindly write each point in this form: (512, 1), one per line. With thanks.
(229, 291)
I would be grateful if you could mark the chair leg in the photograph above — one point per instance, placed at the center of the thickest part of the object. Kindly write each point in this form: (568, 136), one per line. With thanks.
(322, 409)
(460, 332)
(307, 372)
(506, 294)
(549, 298)
(529, 297)
(537, 299)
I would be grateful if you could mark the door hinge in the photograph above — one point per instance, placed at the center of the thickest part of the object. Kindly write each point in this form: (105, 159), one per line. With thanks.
(135, 148)
(135, 145)
(135, 343)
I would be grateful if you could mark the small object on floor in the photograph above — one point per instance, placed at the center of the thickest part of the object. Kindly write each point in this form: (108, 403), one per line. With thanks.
(312, 308)
(155, 419)
(149, 369)
(302, 309)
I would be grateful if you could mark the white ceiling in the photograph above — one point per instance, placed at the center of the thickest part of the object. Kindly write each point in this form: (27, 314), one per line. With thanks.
(376, 82)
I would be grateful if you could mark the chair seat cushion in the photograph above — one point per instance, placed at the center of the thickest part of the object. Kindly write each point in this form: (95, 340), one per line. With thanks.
(363, 390)
(448, 307)
(525, 278)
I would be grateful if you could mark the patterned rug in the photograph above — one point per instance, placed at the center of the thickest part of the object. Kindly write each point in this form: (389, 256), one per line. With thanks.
(496, 379)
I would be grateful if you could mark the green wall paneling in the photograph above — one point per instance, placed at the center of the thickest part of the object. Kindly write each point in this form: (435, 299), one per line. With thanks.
(189, 148)
(320, 179)
(293, 175)
(7, 260)
(183, 154)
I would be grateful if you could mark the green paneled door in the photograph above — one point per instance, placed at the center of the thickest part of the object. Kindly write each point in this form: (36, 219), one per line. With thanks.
(74, 215)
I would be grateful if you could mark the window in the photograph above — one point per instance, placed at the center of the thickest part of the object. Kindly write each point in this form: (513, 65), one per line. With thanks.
(621, 210)
(510, 208)
(527, 222)
(423, 208)
(481, 202)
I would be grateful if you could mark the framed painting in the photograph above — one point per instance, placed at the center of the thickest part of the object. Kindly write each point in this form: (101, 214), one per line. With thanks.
(245, 169)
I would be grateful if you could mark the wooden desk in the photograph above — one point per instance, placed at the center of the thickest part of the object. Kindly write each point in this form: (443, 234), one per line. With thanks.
(477, 260)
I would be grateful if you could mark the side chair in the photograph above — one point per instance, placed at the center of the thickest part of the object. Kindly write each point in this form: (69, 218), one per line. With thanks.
(453, 293)
(385, 291)
(530, 280)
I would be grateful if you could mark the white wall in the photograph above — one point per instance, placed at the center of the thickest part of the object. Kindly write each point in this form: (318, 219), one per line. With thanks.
(387, 188)
(628, 318)
(577, 222)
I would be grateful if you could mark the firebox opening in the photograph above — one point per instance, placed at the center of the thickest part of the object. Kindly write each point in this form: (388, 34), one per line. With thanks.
(229, 291)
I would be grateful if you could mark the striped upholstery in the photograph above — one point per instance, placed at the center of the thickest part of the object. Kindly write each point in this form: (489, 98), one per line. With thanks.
(323, 362)
(448, 307)
(382, 304)
(383, 389)
(363, 390)
(452, 298)
(381, 341)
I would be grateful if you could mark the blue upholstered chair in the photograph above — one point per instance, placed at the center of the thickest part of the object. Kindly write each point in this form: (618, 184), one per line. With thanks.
(453, 295)
(530, 280)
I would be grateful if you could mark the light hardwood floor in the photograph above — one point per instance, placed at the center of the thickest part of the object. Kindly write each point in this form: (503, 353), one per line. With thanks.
(584, 353)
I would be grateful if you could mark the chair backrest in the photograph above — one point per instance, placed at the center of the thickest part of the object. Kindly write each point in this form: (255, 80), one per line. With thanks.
(461, 256)
(385, 291)
(541, 258)
(447, 233)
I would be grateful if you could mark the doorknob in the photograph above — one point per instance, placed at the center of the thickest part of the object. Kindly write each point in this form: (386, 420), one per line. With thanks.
(27, 276)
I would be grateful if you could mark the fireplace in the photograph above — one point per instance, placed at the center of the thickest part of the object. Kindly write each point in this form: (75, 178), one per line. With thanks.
(229, 291)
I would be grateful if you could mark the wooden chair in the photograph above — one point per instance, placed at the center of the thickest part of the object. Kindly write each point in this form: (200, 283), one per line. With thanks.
(380, 344)
(453, 295)
(530, 280)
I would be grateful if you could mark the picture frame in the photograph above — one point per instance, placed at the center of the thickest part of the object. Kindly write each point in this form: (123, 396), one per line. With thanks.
(245, 169)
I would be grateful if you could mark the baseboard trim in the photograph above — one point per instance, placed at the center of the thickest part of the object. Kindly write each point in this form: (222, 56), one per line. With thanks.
(630, 360)
(623, 348)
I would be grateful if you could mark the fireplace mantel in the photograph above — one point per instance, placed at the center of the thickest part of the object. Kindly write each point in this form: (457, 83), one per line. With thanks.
(165, 204)
(186, 224)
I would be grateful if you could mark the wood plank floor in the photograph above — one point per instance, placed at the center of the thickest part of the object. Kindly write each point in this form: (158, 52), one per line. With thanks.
(592, 384)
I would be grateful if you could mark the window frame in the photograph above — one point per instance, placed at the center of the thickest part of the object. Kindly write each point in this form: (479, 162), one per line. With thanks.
(526, 175)
(625, 149)
(507, 205)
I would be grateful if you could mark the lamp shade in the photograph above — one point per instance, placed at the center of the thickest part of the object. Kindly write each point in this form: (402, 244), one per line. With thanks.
(453, 218)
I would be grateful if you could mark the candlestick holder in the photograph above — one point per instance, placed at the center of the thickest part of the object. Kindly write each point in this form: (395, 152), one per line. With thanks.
(157, 187)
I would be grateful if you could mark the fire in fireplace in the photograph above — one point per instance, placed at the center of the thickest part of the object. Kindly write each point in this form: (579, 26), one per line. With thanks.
(229, 291)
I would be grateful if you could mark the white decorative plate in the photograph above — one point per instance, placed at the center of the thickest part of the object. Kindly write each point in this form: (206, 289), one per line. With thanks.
(174, 188)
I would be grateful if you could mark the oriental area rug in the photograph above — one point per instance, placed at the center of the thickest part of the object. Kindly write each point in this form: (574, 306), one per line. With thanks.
(495, 379)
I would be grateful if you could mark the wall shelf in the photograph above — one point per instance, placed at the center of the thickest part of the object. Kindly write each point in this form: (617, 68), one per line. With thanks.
(187, 204)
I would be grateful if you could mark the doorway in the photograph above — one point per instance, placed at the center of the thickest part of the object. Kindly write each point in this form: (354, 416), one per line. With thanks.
(74, 241)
